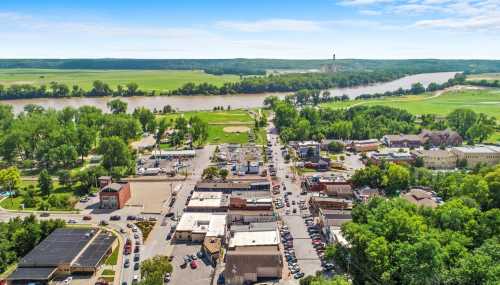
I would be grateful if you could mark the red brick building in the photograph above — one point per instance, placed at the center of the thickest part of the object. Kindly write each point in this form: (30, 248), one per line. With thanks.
(114, 195)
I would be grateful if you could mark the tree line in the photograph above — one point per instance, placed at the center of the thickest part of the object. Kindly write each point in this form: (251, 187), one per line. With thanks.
(19, 236)
(395, 242)
(366, 122)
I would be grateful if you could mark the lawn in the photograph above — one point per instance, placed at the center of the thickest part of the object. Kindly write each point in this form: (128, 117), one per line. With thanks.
(160, 80)
(113, 258)
(15, 203)
(485, 76)
(481, 101)
(218, 120)
(108, 272)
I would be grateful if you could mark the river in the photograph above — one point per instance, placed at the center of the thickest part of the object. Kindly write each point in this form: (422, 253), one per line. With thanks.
(191, 103)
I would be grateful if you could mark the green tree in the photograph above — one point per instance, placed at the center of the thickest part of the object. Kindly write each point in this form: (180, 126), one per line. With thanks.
(117, 106)
(45, 182)
(85, 140)
(10, 178)
(461, 120)
(210, 173)
(223, 173)
(154, 267)
(146, 118)
(115, 153)
(396, 179)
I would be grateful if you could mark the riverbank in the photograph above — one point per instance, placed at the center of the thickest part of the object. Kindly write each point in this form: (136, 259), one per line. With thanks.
(197, 102)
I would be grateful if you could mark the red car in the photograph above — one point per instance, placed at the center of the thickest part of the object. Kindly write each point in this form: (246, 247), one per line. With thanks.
(193, 264)
(87, 218)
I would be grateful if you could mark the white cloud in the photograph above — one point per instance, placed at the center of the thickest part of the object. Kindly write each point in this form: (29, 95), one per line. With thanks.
(364, 2)
(270, 25)
(370, 12)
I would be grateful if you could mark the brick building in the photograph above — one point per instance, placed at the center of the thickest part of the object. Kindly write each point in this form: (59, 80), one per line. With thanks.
(114, 195)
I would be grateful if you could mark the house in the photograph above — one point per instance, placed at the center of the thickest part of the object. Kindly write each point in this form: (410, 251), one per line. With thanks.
(194, 227)
(365, 145)
(441, 138)
(437, 158)
(366, 193)
(484, 154)
(114, 195)
(66, 251)
(422, 197)
(411, 141)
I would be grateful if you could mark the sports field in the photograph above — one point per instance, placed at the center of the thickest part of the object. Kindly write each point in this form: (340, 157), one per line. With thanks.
(226, 126)
(481, 101)
(159, 80)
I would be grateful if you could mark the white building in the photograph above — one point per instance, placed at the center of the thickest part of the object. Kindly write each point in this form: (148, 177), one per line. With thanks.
(486, 154)
(196, 226)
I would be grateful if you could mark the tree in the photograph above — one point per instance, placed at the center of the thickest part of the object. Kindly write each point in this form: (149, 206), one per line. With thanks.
(198, 130)
(336, 147)
(65, 178)
(117, 106)
(146, 118)
(210, 173)
(369, 176)
(115, 153)
(397, 179)
(10, 178)
(155, 267)
(461, 120)
(223, 173)
(45, 182)
(85, 140)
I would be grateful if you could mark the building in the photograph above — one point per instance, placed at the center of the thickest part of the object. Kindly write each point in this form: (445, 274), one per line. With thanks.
(334, 235)
(485, 154)
(104, 181)
(365, 145)
(64, 252)
(212, 247)
(249, 264)
(114, 195)
(308, 150)
(421, 197)
(249, 167)
(253, 254)
(213, 201)
(366, 193)
(441, 138)
(169, 154)
(329, 218)
(394, 157)
(231, 185)
(194, 227)
(411, 141)
(437, 159)
(328, 203)
(318, 183)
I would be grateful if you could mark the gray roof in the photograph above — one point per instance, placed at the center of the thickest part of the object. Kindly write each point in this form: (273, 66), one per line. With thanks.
(61, 246)
(34, 274)
(113, 187)
(95, 252)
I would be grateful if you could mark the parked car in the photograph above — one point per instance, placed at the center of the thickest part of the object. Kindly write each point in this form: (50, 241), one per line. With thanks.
(298, 275)
(166, 278)
(127, 263)
(71, 221)
(131, 218)
(87, 218)
(115, 218)
(193, 264)
(136, 266)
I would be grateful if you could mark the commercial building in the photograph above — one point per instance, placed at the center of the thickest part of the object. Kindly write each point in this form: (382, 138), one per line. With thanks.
(214, 201)
(422, 197)
(329, 218)
(231, 185)
(411, 141)
(195, 227)
(114, 195)
(365, 145)
(64, 252)
(437, 159)
(253, 254)
(318, 183)
(308, 150)
(394, 157)
(485, 154)
(169, 154)
(328, 203)
(366, 193)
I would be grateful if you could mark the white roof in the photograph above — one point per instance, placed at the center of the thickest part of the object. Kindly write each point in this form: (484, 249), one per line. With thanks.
(254, 238)
(187, 152)
(306, 143)
(478, 149)
(209, 223)
(339, 237)
(205, 199)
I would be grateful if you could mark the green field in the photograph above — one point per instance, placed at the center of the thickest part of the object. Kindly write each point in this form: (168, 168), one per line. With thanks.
(218, 120)
(485, 76)
(160, 80)
(481, 101)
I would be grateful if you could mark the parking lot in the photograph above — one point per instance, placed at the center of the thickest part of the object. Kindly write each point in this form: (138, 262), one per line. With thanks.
(202, 275)
(151, 196)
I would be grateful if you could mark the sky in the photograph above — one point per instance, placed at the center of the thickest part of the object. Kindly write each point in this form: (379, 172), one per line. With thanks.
(288, 29)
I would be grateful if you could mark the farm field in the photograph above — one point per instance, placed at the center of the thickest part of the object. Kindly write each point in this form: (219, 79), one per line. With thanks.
(484, 76)
(481, 101)
(160, 80)
(225, 126)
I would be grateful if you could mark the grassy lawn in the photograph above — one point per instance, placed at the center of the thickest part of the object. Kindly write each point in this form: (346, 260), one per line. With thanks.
(483, 101)
(146, 79)
(108, 272)
(113, 258)
(15, 203)
(217, 121)
(495, 138)
(485, 76)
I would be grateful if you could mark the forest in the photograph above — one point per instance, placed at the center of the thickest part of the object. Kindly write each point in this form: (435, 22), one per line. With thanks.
(395, 242)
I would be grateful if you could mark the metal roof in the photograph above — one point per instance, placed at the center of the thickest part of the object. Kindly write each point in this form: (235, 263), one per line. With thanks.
(35, 274)
(95, 252)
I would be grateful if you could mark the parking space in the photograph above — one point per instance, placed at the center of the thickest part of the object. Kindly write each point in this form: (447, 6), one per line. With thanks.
(151, 196)
(201, 275)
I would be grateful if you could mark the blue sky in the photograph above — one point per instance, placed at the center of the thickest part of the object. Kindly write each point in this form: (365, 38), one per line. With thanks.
(250, 29)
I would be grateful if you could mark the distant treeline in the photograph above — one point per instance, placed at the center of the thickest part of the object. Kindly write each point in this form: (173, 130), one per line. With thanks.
(258, 66)
(485, 83)
(272, 83)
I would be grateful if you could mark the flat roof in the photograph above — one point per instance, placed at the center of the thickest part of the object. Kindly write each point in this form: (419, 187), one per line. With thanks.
(213, 224)
(478, 149)
(251, 238)
(95, 252)
(210, 199)
(62, 246)
(32, 273)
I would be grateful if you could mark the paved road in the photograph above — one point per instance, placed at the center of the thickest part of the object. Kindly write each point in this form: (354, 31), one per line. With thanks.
(307, 258)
